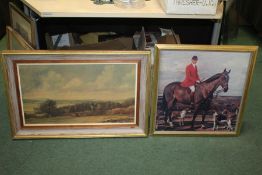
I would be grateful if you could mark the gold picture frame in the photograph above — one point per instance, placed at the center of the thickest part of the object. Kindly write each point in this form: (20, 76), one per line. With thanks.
(77, 94)
(23, 25)
(15, 41)
(220, 83)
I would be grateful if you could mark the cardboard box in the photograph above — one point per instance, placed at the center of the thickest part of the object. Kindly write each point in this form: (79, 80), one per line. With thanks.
(197, 7)
(122, 43)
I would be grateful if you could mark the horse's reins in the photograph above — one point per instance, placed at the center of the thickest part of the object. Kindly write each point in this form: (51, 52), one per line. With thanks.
(216, 93)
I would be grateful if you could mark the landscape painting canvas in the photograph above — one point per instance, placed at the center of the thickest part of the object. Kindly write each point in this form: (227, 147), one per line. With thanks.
(23, 24)
(78, 93)
(201, 89)
(100, 94)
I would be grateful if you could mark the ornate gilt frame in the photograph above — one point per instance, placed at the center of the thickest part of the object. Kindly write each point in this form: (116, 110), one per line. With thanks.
(202, 48)
(20, 131)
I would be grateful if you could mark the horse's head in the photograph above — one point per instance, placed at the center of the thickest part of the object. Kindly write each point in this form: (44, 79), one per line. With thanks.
(224, 78)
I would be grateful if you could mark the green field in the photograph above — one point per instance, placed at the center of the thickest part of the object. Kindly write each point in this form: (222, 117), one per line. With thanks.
(74, 112)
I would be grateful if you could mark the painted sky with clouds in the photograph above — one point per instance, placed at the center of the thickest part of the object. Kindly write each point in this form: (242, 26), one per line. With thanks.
(173, 63)
(78, 82)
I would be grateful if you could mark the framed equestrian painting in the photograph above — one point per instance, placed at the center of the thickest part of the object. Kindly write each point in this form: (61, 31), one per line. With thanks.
(200, 90)
(23, 25)
(77, 94)
(15, 41)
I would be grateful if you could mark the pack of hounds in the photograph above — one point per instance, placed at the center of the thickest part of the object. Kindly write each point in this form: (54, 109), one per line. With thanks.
(221, 120)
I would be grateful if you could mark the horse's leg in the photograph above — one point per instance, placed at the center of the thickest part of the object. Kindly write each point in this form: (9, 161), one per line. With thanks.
(170, 119)
(166, 116)
(203, 120)
(170, 105)
(194, 118)
(165, 108)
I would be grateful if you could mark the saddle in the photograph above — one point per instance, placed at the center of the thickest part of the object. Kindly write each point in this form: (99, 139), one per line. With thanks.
(183, 94)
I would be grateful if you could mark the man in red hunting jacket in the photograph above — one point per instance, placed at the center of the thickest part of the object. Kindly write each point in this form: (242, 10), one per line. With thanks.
(191, 75)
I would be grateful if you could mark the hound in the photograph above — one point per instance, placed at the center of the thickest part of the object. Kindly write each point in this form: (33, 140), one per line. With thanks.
(222, 119)
(180, 115)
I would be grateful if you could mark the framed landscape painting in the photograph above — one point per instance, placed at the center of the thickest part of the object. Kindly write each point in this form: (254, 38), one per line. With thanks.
(200, 90)
(15, 41)
(77, 94)
(23, 25)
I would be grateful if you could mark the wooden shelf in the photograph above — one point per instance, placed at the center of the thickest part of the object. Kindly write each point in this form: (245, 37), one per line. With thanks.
(86, 8)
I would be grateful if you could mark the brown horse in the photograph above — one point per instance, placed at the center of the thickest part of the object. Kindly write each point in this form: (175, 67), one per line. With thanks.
(201, 101)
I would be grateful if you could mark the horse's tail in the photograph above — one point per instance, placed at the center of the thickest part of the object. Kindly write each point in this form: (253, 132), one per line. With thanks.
(164, 102)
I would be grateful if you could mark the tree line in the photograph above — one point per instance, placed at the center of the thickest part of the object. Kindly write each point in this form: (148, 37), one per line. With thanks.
(50, 108)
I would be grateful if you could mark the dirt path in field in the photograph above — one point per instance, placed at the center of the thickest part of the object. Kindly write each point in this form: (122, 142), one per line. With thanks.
(81, 119)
